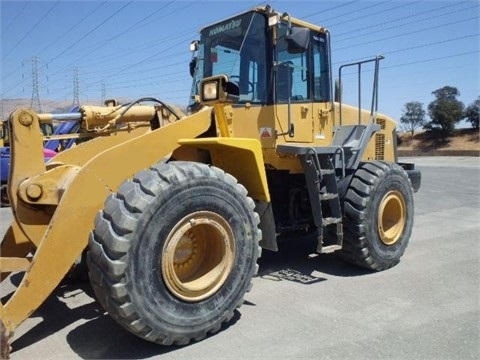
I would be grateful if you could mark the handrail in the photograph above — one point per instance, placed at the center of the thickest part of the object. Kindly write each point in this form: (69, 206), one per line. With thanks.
(374, 105)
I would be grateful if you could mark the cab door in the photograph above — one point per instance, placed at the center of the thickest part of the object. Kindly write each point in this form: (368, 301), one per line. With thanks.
(293, 113)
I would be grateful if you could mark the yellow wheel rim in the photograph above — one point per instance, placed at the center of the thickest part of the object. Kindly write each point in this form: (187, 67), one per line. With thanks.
(391, 217)
(198, 256)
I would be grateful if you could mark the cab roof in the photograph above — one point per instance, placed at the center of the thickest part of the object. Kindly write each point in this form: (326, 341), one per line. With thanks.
(268, 10)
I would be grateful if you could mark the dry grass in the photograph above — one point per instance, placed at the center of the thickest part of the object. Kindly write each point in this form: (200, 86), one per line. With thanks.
(463, 139)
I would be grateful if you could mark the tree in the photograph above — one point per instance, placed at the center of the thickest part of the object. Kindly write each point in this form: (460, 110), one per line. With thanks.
(445, 111)
(472, 113)
(413, 117)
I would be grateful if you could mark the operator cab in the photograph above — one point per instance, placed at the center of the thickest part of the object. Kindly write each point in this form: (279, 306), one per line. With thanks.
(270, 58)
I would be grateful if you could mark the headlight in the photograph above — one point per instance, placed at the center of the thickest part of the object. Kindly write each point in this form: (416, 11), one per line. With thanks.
(210, 90)
(217, 89)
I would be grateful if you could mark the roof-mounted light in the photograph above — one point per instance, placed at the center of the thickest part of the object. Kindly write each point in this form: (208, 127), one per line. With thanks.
(273, 20)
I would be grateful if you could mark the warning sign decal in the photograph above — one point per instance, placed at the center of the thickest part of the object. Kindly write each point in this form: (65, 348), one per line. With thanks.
(265, 132)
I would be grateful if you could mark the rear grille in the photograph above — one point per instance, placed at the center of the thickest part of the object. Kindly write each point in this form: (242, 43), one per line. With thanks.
(382, 123)
(379, 146)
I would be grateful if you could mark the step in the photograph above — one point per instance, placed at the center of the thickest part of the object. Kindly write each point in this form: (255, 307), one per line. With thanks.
(331, 220)
(329, 196)
(327, 171)
(330, 249)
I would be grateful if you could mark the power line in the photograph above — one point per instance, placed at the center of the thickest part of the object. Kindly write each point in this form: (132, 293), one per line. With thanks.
(411, 48)
(74, 43)
(135, 26)
(11, 73)
(402, 6)
(370, 14)
(31, 29)
(144, 62)
(430, 44)
(420, 61)
(14, 19)
(355, 31)
(57, 39)
(132, 27)
(433, 59)
(117, 36)
(408, 33)
(323, 11)
(375, 4)
(137, 63)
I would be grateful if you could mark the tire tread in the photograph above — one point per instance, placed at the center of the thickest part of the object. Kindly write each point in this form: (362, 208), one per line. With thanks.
(356, 248)
(111, 239)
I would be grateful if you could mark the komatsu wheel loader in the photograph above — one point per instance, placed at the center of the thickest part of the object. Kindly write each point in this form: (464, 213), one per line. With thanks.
(172, 209)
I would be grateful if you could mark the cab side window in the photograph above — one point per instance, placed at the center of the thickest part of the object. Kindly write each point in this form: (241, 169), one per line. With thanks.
(291, 74)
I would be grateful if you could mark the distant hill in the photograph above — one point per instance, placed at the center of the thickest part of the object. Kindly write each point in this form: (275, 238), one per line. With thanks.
(48, 106)
(464, 142)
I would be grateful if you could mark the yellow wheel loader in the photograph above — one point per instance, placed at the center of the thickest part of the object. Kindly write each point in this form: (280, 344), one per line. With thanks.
(172, 209)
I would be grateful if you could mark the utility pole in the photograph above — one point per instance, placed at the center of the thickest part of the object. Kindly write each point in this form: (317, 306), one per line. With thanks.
(35, 94)
(104, 93)
(2, 110)
(76, 88)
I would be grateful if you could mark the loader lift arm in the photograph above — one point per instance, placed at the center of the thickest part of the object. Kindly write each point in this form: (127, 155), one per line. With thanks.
(46, 202)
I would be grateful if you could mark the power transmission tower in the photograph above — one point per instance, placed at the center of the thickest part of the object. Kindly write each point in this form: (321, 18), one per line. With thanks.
(76, 88)
(35, 86)
(104, 91)
(2, 110)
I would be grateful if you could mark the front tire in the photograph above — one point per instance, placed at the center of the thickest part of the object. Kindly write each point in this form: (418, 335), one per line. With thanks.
(174, 252)
(378, 216)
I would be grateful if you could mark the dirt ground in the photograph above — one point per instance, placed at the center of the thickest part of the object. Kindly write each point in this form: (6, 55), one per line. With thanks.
(463, 139)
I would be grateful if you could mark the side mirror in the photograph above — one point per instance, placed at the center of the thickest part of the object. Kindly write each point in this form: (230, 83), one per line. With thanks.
(192, 66)
(298, 40)
(194, 46)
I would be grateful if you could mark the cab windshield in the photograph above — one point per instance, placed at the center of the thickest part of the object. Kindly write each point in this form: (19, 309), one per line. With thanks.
(241, 48)
(236, 48)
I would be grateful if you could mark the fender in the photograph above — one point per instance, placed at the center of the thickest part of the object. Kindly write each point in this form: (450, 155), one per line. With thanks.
(243, 159)
(239, 157)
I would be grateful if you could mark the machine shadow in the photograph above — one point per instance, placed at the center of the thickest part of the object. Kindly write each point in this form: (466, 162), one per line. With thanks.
(90, 341)
(56, 314)
(97, 335)
(298, 261)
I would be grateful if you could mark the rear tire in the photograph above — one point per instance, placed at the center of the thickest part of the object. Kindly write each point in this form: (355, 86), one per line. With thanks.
(174, 252)
(378, 216)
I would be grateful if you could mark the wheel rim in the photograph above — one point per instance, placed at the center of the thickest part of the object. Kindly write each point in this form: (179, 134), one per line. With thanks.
(391, 217)
(198, 256)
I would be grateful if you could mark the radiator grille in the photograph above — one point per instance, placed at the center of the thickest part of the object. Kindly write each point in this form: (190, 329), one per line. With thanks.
(380, 146)
(382, 123)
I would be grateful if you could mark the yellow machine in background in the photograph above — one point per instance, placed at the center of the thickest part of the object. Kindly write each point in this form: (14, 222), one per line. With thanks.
(172, 209)
(3, 134)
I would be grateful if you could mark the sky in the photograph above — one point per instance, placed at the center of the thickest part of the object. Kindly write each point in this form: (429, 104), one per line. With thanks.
(133, 49)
